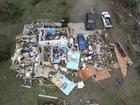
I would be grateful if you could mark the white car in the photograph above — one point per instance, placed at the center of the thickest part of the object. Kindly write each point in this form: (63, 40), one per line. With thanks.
(106, 20)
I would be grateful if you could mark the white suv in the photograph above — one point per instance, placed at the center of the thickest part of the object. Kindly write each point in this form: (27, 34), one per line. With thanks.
(106, 20)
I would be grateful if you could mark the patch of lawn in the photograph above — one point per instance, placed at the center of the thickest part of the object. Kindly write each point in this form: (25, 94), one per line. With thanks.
(10, 91)
(105, 1)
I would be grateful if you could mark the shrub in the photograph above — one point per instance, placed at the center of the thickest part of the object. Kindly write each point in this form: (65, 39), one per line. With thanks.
(65, 21)
(35, 2)
(130, 4)
(9, 11)
(64, 3)
(5, 48)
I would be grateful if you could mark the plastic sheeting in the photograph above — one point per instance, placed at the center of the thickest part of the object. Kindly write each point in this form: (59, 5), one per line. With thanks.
(73, 61)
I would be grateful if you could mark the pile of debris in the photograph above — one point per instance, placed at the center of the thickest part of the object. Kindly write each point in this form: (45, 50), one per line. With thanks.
(50, 51)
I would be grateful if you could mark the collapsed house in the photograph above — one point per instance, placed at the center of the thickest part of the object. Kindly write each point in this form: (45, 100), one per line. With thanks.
(50, 51)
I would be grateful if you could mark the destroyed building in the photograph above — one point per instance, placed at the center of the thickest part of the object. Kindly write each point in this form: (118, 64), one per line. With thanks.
(47, 50)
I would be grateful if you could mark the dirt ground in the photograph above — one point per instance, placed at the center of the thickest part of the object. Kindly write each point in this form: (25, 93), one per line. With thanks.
(107, 92)
(82, 7)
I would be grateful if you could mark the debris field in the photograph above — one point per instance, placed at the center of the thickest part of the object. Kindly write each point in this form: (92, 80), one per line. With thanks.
(46, 50)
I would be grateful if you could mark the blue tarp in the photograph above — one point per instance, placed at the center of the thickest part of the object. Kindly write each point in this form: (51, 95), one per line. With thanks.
(51, 30)
(73, 61)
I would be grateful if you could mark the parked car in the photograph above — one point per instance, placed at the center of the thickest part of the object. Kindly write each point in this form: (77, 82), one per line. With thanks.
(90, 21)
(106, 20)
(81, 42)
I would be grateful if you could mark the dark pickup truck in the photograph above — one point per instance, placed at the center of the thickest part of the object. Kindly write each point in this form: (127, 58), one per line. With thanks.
(90, 21)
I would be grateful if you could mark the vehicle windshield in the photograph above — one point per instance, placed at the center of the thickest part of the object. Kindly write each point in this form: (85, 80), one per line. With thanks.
(108, 21)
(90, 21)
(81, 40)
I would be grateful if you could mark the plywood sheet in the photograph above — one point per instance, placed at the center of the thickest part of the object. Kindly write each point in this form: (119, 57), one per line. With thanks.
(123, 61)
(87, 73)
(101, 75)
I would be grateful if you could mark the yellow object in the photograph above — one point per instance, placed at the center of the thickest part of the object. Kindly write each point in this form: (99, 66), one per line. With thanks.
(46, 63)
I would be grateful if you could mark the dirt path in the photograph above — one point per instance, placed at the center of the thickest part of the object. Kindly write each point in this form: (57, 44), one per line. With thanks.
(117, 33)
(81, 7)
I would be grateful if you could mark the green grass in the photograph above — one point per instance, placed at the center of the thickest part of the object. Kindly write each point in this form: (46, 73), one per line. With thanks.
(10, 91)
(57, 11)
(105, 1)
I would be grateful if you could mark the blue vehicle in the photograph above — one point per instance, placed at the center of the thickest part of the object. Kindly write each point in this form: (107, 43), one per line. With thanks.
(81, 42)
